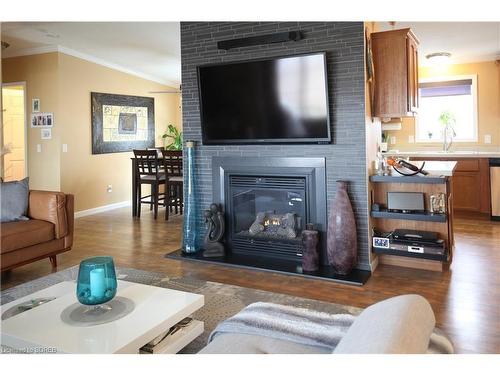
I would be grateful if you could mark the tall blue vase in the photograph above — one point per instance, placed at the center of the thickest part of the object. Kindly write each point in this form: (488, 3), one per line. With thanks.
(190, 212)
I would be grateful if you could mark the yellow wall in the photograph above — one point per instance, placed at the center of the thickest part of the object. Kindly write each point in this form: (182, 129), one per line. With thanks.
(41, 77)
(67, 84)
(488, 93)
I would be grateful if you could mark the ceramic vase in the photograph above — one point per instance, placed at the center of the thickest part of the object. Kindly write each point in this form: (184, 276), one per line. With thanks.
(310, 257)
(342, 239)
(190, 212)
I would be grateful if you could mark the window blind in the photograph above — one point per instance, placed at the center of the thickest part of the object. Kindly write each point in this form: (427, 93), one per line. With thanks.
(445, 88)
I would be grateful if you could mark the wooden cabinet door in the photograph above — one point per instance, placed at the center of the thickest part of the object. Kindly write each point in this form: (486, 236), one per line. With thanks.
(466, 190)
(395, 61)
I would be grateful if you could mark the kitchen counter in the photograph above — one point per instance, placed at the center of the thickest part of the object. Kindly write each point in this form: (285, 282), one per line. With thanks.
(447, 154)
(437, 168)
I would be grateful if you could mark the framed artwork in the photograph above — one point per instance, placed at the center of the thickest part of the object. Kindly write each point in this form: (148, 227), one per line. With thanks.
(42, 120)
(46, 133)
(121, 123)
(35, 105)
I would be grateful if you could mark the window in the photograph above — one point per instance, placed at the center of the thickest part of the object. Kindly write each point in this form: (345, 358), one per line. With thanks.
(454, 96)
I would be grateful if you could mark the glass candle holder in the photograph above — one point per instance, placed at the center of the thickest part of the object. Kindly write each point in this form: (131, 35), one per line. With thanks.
(96, 281)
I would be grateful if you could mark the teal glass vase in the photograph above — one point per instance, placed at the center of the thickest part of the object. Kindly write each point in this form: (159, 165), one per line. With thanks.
(190, 216)
(96, 283)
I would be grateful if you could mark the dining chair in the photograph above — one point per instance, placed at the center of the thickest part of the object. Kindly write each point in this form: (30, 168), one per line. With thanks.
(148, 172)
(174, 186)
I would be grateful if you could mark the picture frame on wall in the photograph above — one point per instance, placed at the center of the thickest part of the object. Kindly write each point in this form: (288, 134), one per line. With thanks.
(121, 123)
(42, 120)
(46, 133)
(35, 105)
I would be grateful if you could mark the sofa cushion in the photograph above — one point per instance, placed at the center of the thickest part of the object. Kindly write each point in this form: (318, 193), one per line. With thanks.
(398, 325)
(20, 234)
(14, 204)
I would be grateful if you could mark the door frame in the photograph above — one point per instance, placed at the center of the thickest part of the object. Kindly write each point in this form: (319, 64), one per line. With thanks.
(26, 129)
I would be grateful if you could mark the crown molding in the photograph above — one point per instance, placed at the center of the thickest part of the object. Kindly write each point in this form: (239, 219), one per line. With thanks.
(87, 57)
(29, 51)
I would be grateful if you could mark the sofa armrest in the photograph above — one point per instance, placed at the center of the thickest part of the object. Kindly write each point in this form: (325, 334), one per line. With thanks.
(49, 206)
(398, 325)
(70, 214)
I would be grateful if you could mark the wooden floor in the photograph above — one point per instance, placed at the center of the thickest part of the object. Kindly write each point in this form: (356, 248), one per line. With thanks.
(466, 299)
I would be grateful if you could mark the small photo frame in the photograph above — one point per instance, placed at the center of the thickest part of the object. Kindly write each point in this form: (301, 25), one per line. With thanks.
(35, 105)
(381, 242)
(42, 120)
(46, 133)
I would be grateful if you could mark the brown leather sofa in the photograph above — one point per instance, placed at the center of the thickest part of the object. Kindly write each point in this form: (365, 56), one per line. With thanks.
(48, 232)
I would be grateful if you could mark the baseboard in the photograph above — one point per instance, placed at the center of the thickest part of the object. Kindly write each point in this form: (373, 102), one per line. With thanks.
(96, 210)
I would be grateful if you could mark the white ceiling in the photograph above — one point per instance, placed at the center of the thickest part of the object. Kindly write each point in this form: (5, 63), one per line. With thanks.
(466, 41)
(152, 49)
(148, 49)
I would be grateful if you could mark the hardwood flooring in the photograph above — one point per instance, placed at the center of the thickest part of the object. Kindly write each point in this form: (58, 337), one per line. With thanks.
(465, 299)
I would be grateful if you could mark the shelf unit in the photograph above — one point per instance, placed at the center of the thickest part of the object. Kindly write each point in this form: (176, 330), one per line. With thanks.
(386, 221)
(427, 216)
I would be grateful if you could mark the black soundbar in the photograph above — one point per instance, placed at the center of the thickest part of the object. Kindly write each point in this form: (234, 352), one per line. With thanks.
(260, 39)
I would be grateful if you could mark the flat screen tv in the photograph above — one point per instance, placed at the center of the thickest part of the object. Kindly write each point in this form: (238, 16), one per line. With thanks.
(274, 100)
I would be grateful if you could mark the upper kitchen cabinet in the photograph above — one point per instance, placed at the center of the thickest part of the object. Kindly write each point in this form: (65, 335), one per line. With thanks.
(395, 61)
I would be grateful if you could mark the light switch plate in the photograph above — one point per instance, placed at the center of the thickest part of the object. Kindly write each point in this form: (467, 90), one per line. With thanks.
(487, 138)
(38, 148)
(393, 140)
(65, 147)
(411, 139)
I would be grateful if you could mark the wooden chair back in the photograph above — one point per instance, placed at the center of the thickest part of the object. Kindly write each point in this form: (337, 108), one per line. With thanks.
(172, 161)
(146, 162)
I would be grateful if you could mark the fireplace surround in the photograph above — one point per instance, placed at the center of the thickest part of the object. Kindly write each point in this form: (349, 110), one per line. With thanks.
(283, 193)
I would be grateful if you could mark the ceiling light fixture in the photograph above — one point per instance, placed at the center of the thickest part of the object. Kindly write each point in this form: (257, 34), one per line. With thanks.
(439, 57)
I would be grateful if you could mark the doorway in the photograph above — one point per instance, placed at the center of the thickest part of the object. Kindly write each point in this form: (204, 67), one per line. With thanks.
(14, 132)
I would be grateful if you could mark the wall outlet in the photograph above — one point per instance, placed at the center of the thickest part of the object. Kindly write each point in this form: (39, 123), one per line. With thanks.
(65, 147)
(487, 138)
(38, 148)
(109, 189)
(393, 140)
(411, 139)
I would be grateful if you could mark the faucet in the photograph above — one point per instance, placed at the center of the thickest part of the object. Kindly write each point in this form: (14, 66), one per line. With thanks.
(447, 134)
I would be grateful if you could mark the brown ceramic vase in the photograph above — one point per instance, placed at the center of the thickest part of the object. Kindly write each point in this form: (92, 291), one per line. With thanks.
(342, 239)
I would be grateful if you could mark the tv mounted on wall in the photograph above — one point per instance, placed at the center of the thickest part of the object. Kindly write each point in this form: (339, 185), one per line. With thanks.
(273, 100)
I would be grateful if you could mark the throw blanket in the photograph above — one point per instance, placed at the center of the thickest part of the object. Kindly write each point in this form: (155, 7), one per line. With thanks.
(303, 326)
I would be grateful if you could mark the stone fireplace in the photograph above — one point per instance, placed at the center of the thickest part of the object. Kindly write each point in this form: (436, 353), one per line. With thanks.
(343, 159)
(268, 202)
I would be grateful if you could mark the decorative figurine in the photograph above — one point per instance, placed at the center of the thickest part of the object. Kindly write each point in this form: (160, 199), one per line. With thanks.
(310, 258)
(214, 220)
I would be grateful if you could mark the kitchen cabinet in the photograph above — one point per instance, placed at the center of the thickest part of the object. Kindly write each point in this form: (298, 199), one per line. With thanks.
(471, 184)
(395, 62)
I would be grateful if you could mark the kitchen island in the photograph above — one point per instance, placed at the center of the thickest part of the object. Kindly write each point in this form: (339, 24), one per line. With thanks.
(471, 182)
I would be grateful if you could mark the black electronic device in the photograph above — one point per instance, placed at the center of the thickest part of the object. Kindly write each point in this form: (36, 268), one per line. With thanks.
(287, 36)
(405, 202)
(418, 236)
(412, 243)
(272, 100)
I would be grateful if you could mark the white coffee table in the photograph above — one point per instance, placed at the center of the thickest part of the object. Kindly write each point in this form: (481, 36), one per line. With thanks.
(156, 310)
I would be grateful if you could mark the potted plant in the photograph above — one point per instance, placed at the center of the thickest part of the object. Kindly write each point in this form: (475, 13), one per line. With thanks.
(383, 144)
(448, 121)
(176, 137)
